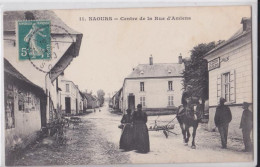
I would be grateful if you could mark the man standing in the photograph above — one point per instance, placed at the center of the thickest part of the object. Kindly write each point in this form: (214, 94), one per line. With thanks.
(222, 119)
(246, 125)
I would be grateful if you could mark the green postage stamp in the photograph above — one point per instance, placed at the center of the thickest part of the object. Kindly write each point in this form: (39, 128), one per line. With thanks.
(34, 40)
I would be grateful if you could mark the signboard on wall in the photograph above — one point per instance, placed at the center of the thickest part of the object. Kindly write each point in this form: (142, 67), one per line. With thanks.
(213, 64)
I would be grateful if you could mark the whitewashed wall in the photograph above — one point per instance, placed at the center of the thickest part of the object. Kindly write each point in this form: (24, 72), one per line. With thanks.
(26, 123)
(240, 60)
(27, 69)
(155, 91)
(72, 94)
(239, 54)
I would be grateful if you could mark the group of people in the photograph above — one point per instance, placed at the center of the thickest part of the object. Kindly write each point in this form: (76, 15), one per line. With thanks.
(134, 131)
(223, 117)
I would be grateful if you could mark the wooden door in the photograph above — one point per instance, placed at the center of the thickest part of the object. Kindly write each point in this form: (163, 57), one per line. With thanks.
(67, 105)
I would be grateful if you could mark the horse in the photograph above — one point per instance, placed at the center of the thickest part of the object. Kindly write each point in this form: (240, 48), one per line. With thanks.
(189, 117)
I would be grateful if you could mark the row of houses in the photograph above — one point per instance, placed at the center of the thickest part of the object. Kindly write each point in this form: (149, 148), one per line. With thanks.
(35, 97)
(74, 101)
(158, 87)
(115, 101)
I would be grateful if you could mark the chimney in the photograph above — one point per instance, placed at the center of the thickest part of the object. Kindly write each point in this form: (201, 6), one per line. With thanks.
(180, 59)
(151, 60)
(29, 15)
(247, 24)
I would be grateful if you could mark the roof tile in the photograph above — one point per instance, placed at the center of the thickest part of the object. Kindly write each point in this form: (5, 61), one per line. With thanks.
(157, 70)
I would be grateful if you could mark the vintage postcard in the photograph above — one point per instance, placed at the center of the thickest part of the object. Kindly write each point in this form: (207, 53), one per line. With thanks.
(169, 85)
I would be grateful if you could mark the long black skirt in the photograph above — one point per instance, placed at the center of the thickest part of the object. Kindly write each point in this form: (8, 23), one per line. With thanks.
(141, 138)
(126, 139)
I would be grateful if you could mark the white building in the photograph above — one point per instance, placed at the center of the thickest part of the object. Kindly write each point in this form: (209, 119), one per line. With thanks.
(230, 74)
(71, 99)
(158, 87)
(65, 44)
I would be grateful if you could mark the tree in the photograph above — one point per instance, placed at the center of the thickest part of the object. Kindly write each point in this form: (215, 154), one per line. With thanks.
(196, 70)
(100, 95)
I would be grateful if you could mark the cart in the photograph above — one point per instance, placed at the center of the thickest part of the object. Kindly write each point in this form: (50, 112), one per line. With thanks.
(168, 128)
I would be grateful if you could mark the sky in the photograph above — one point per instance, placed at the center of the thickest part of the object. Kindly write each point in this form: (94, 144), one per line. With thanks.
(111, 49)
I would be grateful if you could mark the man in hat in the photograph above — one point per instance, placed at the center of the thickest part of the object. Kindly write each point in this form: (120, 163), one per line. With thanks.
(246, 125)
(222, 119)
(186, 95)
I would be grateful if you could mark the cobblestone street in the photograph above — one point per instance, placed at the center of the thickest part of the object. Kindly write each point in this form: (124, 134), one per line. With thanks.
(95, 141)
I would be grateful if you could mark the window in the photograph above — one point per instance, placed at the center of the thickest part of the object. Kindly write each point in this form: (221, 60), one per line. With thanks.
(28, 98)
(142, 101)
(67, 88)
(21, 99)
(226, 86)
(170, 100)
(142, 86)
(21, 105)
(169, 85)
(9, 107)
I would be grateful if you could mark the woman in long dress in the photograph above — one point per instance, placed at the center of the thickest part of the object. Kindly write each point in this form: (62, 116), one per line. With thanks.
(141, 136)
(126, 139)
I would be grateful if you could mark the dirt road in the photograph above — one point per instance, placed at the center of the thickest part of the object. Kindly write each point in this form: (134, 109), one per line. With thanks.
(96, 140)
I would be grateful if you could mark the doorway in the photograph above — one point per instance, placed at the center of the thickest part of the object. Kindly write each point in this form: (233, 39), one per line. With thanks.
(131, 102)
(67, 105)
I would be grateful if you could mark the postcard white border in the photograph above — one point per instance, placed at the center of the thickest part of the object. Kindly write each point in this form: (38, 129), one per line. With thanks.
(9, 5)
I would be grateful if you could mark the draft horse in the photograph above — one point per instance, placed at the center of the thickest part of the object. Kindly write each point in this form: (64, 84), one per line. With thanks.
(189, 117)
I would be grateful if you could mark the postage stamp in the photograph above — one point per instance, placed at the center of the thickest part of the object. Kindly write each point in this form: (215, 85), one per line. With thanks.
(34, 40)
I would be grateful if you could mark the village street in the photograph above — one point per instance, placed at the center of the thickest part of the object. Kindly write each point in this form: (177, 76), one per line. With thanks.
(96, 140)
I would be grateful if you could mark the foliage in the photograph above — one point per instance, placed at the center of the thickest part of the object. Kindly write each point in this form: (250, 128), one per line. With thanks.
(100, 95)
(196, 70)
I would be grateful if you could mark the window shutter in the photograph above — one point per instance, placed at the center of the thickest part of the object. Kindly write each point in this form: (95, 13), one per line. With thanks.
(218, 88)
(232, 86)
